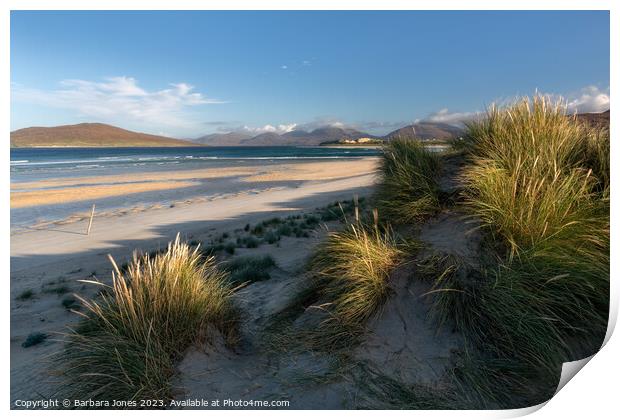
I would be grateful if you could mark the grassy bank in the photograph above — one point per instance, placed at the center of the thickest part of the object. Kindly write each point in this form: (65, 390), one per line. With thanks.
(539, 185)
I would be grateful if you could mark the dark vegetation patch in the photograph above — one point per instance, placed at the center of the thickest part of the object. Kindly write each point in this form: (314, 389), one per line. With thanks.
(26, 295)
(33, 339)
(249, 269)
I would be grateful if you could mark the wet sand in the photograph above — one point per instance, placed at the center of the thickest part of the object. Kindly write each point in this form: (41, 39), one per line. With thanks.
(67, 190)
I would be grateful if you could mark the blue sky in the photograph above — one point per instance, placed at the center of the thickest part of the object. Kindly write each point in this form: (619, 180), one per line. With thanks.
(187, 74)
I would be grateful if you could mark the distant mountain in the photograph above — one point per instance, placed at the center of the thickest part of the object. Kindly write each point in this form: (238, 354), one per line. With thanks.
(595, 118)
(426, 131)
(89, 135)
(226, 139)
(292, 138)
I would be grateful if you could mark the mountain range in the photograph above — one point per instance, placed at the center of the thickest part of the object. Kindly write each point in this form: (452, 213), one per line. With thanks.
(291, 138)
(89, 135)
(103, 135)
(325, 135)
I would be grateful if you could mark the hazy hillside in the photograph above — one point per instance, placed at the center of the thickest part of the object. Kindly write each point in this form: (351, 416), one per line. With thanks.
(600, 118)
(89, 135)
(426, 131)
(292, 138)
(223, 139)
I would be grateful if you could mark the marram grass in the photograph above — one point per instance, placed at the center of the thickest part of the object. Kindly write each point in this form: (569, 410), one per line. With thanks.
(129, 339)
(539, 183)
(539, 177)
(407, 191)
(351, 270)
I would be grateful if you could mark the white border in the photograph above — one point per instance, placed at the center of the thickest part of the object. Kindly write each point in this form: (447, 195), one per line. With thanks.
(593, 394)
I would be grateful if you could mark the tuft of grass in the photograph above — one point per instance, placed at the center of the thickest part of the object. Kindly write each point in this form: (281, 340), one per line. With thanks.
(351, 270)
(26, 295)
(33, 339)
(249, 269)
(271, 237)
(407, 191)
(127, 344)
(250, 242)
(285, 230)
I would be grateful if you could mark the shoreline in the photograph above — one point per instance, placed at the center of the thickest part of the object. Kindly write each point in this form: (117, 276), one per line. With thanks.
(55, 200)
(63, 240)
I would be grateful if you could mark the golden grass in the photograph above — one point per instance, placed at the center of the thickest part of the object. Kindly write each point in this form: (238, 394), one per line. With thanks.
(351, 271)
(127, 343)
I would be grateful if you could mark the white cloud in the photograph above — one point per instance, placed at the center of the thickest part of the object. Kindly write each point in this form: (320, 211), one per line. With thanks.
(447, 117)
(284, 67)
(267, 128)
(320, 122)
(118, 100)
(589, 99)
(280, 128)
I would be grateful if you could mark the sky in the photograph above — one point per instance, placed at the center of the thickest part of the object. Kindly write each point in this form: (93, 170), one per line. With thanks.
(187, 74)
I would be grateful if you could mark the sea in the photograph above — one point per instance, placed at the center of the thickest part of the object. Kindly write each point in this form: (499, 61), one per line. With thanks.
(34, 164)
(38, 164)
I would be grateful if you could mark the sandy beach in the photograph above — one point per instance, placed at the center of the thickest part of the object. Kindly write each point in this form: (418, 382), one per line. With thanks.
(42, 258)
(66, 190)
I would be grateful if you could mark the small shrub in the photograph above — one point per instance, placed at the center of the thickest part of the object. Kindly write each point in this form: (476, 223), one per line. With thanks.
(258, 229)
(33, 339)
(250, 269)
(230, 248)
(251, 242)
(285, 230)
(26, 294)
(271, 237)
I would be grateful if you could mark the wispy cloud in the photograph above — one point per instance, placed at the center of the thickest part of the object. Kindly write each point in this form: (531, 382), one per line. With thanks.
(119, 99)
